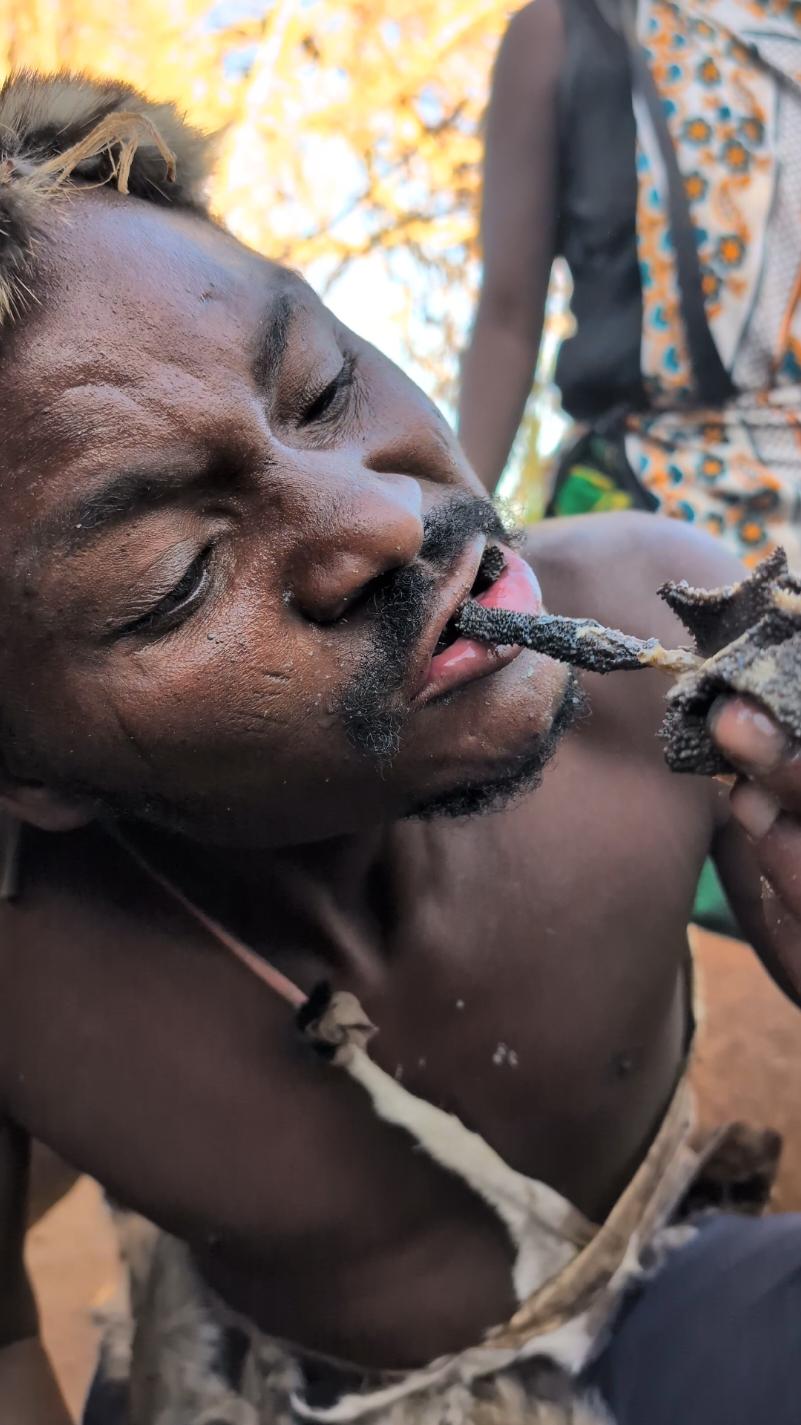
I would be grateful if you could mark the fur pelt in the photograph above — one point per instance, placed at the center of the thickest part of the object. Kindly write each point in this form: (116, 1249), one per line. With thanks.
(68, 130)
(503, 1400)
(172, 1335)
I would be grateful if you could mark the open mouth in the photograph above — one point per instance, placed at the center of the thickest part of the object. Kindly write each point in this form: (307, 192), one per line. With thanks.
(493, 563)
(503, 581)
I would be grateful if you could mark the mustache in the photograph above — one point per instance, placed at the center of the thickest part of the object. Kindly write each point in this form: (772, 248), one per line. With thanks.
(447, 528)
(401, 607)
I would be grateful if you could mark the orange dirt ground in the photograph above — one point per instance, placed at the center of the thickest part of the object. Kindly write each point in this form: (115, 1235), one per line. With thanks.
(747, 1066)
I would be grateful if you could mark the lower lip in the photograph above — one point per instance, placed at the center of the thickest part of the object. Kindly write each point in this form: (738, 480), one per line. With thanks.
(465, 660)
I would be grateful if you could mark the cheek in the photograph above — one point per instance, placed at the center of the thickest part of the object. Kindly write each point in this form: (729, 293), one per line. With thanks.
(206, 695)
(219, 707)
(241, 746)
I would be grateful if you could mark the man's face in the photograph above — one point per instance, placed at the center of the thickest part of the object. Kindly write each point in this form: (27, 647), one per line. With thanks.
(230, 535)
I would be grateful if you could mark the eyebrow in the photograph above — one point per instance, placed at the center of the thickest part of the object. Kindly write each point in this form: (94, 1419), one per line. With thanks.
(130, 491)
(127, 491)
(272, 339)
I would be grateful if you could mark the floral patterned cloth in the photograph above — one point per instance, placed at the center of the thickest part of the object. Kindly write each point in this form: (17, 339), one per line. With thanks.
(729, 73)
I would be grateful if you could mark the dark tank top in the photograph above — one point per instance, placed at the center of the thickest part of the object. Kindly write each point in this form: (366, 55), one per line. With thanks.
(599, 367)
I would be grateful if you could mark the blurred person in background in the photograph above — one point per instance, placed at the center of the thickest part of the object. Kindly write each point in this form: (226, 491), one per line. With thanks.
(664, 163)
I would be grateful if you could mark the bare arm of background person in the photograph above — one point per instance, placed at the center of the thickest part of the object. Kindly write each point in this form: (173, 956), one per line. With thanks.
(518, 233)
(28, 1392)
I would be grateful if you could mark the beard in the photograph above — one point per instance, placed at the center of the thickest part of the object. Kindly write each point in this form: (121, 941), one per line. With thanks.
(522, 775)
(372, 708)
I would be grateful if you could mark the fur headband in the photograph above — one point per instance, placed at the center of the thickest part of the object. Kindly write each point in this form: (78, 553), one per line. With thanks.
(68, 130)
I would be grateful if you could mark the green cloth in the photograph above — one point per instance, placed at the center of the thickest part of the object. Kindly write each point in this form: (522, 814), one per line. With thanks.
(587, 490)
(711, 909)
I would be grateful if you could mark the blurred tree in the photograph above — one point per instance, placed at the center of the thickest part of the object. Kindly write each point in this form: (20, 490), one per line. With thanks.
(349, 129)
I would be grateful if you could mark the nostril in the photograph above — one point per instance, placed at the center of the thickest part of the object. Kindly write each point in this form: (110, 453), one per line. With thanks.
(331, 613)
(351, 541)
(321, 607)
(373, 592)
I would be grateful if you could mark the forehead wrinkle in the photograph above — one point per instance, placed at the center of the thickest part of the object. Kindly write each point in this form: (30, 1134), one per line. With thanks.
(77, 417)
(94, 422)
(90, 396)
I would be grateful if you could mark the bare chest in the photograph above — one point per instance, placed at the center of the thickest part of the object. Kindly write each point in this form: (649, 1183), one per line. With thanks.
(530, 984)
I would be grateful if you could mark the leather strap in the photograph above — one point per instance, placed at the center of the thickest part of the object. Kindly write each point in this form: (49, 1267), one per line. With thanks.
(279, 983)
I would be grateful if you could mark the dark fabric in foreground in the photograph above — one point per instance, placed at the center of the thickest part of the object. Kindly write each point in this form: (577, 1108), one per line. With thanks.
(715, 1337)
(107, 1402)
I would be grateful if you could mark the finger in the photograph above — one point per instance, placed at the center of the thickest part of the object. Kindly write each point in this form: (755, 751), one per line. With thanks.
(754, 808)
(779, 856)
(776, 840)
(752, 741)
(747, 735)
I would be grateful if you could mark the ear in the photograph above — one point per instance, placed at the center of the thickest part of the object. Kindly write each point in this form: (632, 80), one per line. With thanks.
(38, 806)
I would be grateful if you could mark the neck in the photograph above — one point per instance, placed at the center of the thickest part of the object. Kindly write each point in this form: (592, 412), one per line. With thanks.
(344, 860)
(324, 902)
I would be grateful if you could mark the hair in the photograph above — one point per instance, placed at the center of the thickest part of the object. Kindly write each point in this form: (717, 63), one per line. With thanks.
(70, 132)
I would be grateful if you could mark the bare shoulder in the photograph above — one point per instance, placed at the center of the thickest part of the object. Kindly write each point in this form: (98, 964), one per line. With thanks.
(610, 567)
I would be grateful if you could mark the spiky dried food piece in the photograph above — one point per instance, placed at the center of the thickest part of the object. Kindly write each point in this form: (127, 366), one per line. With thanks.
(493, 562)
(716, 617)
(752, 632)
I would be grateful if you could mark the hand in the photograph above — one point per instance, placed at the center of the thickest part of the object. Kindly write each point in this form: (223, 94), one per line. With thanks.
(766, 803)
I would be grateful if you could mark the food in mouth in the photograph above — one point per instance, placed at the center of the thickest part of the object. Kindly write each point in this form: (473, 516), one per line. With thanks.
(583, 642)
(501, 576)
(503, 581)
(747, 636)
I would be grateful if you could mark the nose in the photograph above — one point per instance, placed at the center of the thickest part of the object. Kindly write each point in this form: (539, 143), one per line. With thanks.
(352, 532)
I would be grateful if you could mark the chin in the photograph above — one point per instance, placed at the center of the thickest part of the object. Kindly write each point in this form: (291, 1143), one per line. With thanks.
(477, 794)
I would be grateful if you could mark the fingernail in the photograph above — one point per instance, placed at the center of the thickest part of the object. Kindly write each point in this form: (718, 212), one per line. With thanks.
(747, 735)
(754, 809)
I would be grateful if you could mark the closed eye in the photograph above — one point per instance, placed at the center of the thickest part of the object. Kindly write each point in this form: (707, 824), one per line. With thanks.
(180, 602)
(327, 402)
